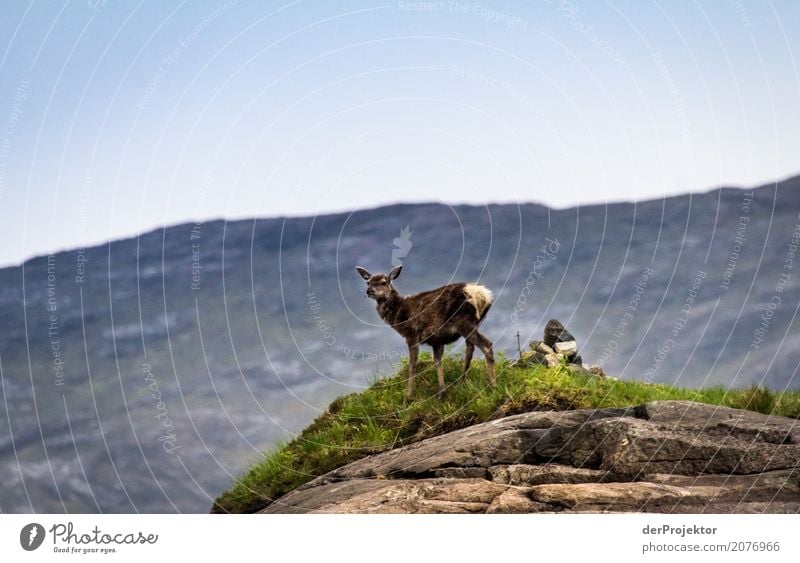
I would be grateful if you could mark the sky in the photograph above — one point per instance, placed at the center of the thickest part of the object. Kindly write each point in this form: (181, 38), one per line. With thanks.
(118, 117)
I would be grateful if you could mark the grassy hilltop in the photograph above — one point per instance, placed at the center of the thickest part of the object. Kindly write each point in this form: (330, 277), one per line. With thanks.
(379, 418)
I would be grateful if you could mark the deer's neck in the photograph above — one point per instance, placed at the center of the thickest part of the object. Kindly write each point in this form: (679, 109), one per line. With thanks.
(393, 311)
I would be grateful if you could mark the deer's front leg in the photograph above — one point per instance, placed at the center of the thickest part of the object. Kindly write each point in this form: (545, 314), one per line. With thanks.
(413, 352)
(438, 352)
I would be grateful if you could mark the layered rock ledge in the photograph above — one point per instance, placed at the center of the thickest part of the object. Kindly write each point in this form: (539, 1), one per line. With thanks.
(663, 456)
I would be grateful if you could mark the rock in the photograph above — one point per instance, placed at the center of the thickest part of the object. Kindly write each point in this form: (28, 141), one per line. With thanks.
(558, 339)
(515, 501)
(539, 346)
(568, 349)
(525, 474)
(552, 360)
(552, 332)
(528, 358)
(577, 368)
(596, 370)
(663, 456)
(558, 348)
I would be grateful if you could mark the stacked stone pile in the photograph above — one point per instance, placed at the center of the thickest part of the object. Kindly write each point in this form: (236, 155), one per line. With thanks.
(557, 348)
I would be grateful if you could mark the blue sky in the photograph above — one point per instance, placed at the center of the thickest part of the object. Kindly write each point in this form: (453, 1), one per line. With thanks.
(118, 117)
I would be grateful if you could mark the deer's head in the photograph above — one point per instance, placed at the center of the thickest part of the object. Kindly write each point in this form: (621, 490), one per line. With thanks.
(379, 286)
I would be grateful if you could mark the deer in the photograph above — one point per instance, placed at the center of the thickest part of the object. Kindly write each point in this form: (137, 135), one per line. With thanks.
(434, 318)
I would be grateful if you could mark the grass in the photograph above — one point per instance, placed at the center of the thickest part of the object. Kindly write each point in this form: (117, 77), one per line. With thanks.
(380, 419)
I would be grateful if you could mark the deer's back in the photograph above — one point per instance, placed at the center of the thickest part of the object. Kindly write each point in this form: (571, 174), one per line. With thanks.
(442, 300)
(441, 315)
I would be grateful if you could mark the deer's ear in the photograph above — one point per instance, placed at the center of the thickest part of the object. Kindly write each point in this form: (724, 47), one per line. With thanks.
(364, 273)
(395, 273)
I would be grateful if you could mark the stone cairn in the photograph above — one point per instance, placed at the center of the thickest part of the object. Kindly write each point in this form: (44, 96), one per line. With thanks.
(558, 348)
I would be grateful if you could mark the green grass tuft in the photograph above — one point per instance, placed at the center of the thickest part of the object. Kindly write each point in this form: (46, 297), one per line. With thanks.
(379, 418)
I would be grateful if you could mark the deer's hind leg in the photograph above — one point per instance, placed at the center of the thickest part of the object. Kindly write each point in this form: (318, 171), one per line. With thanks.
(485, 345)
(469, 348)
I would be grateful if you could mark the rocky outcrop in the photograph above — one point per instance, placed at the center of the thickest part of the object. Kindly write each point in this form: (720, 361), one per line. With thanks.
(665, 456)
(557, 348)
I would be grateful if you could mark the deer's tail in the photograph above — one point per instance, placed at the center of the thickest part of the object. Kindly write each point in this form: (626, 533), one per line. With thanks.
(479, 297)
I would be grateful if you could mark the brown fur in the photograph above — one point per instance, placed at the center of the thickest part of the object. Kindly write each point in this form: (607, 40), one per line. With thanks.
(436, 317)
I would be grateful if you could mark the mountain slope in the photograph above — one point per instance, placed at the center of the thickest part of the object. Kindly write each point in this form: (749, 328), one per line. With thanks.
(145, 374)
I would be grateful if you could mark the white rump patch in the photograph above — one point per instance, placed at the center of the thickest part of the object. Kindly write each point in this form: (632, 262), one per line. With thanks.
(479, 296)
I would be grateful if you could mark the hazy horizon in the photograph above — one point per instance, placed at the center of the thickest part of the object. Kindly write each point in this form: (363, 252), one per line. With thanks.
(300, 215)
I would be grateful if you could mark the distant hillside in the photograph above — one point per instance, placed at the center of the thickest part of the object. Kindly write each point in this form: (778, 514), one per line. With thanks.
(146, 373)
